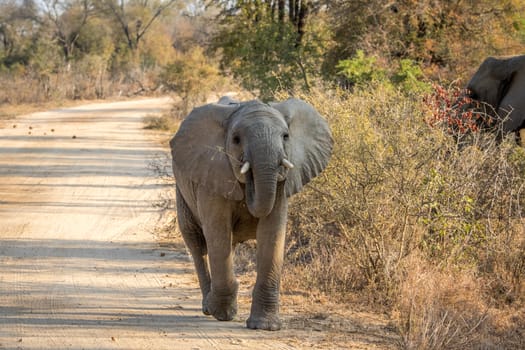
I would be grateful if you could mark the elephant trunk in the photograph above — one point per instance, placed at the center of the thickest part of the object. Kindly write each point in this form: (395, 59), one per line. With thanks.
(261, 188)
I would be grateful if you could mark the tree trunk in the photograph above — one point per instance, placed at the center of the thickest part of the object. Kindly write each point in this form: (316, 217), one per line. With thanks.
(301, 22)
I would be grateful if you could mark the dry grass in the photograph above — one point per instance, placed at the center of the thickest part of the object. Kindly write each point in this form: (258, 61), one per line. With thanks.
(164, 122)
(10, 111)
(406, 220)
(83, 81)
(440, 309)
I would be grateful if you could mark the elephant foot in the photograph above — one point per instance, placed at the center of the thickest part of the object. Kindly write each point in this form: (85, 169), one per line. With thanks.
(205, 308)
(268, 323)
(221, 306)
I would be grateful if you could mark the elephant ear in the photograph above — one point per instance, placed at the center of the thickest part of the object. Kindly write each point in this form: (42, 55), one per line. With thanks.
(198, 150)
(310, 142)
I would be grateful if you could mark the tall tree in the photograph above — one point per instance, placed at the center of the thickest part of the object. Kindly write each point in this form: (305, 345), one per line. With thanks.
(68, 18)
(19, 25)
(135, 17)
(263, 43)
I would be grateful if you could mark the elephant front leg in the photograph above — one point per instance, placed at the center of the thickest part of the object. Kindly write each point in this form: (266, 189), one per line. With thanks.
(221, 301)
(194, 240)
(270, 251)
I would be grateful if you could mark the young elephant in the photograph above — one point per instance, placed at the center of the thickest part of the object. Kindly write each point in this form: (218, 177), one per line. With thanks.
(235, 166)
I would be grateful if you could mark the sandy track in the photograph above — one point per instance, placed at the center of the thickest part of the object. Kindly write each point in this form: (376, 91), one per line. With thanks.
(80, 267)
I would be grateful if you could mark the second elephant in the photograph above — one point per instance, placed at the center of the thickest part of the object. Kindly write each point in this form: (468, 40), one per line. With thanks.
(500, 82)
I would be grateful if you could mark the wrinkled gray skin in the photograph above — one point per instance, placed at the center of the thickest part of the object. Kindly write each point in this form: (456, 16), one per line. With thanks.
(218, 206)
(500, 82)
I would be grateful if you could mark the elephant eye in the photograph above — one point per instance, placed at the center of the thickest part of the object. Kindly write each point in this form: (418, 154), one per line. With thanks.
(236, 140)
(286, 137)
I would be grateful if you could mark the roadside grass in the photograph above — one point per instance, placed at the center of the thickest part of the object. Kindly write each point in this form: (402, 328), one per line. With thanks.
(10, 111)
(163, 122)
(407, 221)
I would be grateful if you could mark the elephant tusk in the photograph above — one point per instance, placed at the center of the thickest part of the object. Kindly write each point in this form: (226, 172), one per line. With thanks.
(287, 163)
(245, 167)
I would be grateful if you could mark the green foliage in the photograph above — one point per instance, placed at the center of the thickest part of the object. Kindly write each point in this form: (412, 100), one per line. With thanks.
(361, 70)
(268, 53)
(263, 63)
(409, 77)
(96, 37)
(519, 26)
(18, 33)
(192, 76)
(46, 58)
(257, 56)
(133, 20)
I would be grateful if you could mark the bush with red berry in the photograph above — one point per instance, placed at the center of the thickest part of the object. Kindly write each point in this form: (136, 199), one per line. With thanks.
(452, 109)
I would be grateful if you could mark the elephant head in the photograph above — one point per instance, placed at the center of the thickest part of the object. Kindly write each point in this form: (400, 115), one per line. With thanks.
(244, 151)
(500, 83)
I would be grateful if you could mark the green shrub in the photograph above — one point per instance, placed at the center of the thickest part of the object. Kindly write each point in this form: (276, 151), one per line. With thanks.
(409, 77)
(362, 70)
(192, 77)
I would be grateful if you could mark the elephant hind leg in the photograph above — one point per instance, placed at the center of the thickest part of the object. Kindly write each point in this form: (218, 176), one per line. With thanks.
(196, 244)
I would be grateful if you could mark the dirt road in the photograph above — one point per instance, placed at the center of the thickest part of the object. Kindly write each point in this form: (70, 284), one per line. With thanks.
(80, 264)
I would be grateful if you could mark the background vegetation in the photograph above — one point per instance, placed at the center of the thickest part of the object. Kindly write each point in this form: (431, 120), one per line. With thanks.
(409, 219)
(414, 222)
